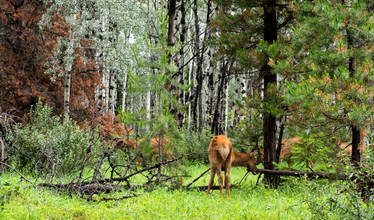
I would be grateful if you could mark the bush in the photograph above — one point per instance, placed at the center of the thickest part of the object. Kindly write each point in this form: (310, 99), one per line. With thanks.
(46, 141)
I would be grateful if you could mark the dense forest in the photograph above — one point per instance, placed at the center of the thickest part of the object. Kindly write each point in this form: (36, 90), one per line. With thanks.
(118, 101)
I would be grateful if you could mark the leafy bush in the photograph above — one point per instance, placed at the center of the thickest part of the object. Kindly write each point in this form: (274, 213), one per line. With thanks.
(46, 141)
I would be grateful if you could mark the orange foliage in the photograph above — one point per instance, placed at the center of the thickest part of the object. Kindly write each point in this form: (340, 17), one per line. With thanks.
(22, 78)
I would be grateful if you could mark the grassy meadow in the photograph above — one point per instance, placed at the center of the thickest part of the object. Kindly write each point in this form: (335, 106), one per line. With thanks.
(294, 199)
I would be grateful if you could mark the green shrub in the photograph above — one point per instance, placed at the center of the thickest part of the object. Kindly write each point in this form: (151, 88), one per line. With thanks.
(47, 140)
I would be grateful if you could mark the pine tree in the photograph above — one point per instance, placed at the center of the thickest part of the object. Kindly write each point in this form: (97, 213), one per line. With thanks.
(332, 52)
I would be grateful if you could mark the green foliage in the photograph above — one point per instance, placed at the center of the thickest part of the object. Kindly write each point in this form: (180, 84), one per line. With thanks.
(46, 140)
(341, 202)
(294, 199)
(196, 144)
(153, 76)
(7, 192)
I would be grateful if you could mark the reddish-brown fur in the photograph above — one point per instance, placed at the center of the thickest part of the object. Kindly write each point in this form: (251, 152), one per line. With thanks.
(223, 157)
(347, 147)
(153, 142)
(286, 151)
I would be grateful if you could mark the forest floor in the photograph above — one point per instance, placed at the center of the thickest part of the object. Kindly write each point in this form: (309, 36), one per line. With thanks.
(296, 198)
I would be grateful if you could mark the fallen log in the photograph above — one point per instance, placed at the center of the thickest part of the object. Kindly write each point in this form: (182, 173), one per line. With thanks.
(311, 175)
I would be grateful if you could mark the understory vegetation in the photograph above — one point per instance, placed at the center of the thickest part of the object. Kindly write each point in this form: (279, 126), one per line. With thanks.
(31, 189)
(294, 199)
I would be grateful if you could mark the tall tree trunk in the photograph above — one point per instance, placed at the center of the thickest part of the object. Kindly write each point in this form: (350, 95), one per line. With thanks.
(211, 86)
(216, 116)
(198, 66)
(113, 92)
(124, 92)
(227, 104)
(182, 37)
(190, 96)
(148, 109)
(126, 75)
(280, 137)
(67, 78)
(172, 58)
(270, 81)
(67, 86)
(171, 26)
(160, 150)
(356, 133)
(200, 59)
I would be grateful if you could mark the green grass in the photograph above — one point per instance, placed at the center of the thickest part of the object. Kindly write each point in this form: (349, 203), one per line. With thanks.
(19, 200)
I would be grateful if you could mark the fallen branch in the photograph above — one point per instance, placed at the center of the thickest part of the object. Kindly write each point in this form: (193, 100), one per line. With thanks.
(311, 175)
(118, 199)
(104, 185)
(196, 179)
(15, 170)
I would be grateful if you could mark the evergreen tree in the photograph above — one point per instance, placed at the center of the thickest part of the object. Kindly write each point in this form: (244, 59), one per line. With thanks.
(251, 34)
(332, 52)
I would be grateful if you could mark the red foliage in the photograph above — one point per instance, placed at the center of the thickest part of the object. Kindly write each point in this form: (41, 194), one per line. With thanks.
(24, 57)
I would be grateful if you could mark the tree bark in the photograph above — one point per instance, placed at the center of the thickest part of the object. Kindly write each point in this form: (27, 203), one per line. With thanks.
(215, 123)
(67, 87)
(182, 37)
(211, 86)
(2, 145)
(356, 138)
(113, 92)
(356, 133)
(270, 81)
(280, 138)
(227, 104)
(160, 150)
(171, 26)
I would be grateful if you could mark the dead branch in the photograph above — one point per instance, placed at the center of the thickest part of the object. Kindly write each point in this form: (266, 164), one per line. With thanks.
(197, 178)
(118, 199)
(311, 175)
(15, 170)
(97, 186)
(101, 160)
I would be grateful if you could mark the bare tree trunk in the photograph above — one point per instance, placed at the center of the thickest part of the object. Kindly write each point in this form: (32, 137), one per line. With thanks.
(160, 150)
(124, 87)
(171, 26)
(67, 87)
(227, 104)
(216, 116)
(113, 92)
(211, 86)
(280, 137)
(197, 104)
(183, 33)
(190, 96)
(198, 65)
(148, 108)
(124, 92)
(270, 80)
(2, 155)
